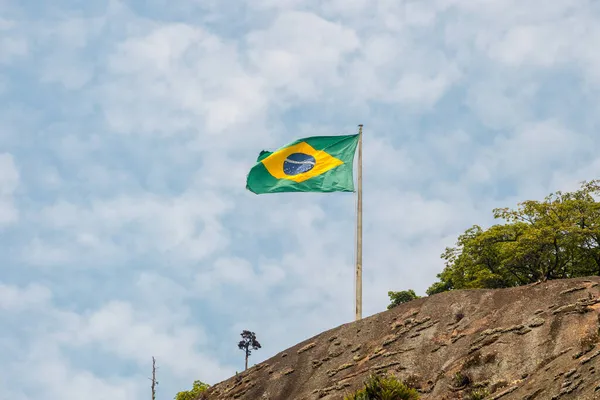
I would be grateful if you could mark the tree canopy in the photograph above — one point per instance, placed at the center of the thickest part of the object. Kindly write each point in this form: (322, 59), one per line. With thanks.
(194, 394)
(403, 296)
(248, 343)
(378, 387)
(558, 237)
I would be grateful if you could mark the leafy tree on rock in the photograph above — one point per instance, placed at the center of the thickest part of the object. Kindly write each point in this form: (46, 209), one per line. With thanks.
(194, 394)
(558, 237)
(248, 343)
(403, 296)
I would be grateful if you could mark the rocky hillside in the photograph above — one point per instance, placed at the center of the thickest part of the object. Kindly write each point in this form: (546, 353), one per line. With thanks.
(532, 342)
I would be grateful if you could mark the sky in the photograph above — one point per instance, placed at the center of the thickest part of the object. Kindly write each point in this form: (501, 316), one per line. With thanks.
(127, 129)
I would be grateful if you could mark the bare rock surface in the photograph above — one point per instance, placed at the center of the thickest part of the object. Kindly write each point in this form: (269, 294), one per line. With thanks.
(532, 342)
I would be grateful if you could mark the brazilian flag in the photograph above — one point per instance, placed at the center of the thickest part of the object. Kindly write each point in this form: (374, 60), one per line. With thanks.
(313, 164)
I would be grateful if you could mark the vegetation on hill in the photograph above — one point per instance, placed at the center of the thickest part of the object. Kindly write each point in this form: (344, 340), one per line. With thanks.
(558, 237)
(378, 387)
(196, 393)
(403, 296)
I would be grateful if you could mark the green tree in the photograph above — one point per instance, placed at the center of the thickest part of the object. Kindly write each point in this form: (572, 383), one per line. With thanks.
(197, 390)
(403, 296)
(558, 237)
(378, 387)
(248, 343)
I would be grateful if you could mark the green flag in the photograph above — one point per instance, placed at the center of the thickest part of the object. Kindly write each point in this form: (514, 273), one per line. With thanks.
(314, 164)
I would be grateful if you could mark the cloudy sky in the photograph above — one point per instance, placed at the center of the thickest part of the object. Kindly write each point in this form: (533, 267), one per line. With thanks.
(127, 129)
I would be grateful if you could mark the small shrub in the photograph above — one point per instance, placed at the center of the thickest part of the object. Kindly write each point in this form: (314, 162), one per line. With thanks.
(498, 385)
(384, 388)
(196, 393)
(414, 381)
(478, 394)
(460, 380)
(404, 296)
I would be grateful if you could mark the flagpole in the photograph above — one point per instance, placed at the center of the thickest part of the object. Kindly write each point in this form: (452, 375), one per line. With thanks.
(359, 230)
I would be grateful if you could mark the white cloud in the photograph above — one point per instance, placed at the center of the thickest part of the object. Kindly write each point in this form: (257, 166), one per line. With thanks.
(47, 253)
(186, 227)
(3, 85)
(9, 176)
(409, 216)
(136, 334)
(502, 103)
(45, 370)
(177, 77)
(12, 46)
(236, 273)
(538, 45)
(415, 87)
(386, 161)
(70, 37)
(304, 62)
(530, 148)
(9, 180)
(130, 333)
(392, 67)
(71, 73)
(15, 299)
(528, 35)
(39, 366)
(231, 270)
(6, 24)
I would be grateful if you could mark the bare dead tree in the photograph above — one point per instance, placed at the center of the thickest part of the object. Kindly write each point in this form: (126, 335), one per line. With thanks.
(153, 379)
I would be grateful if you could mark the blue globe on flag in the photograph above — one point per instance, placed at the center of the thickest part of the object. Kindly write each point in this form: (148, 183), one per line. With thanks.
(298, 163)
